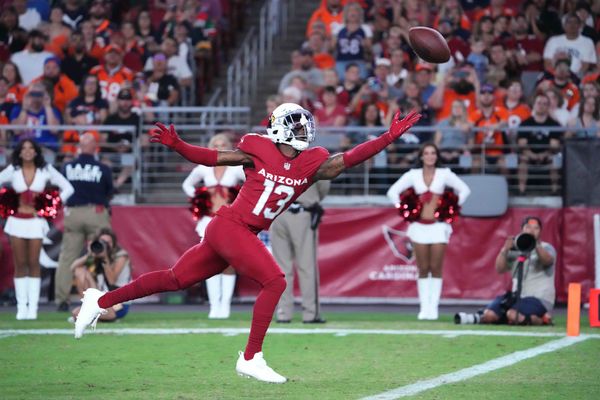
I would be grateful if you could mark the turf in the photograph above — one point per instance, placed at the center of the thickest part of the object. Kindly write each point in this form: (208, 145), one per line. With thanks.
(320, 366)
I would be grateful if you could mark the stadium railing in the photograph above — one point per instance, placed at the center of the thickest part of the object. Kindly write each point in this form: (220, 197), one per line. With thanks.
(157, 173)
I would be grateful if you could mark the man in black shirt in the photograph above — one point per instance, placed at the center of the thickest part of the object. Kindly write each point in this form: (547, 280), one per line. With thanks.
(78, 64)
(538, 146)
(86, 212)
(118, 143)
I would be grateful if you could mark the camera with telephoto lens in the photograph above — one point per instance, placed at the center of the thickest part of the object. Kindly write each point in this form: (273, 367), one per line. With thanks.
(98, 246)
(95, 262)
(524, 243)
(468, 318)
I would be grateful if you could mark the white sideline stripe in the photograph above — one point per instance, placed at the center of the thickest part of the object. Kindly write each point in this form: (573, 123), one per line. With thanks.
(475, 370)
(292, 331)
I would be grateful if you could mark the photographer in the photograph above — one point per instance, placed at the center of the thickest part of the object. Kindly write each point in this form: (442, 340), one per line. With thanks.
(105, 266)
(536, 299)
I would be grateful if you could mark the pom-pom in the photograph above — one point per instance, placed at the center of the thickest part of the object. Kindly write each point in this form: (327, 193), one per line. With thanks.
(9, 202)
(48, 203)
(201, 204)
(448, 209)
(410, 205)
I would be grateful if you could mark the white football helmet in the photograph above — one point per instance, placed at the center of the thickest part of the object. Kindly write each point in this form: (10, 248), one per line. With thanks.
(286, 123)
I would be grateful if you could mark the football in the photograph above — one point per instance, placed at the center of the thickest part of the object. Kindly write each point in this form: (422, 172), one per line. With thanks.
(429, 44)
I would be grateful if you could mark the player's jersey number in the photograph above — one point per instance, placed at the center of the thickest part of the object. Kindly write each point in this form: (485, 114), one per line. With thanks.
(281, 203)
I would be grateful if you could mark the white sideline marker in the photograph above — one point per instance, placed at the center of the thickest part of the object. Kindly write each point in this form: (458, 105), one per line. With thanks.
(480, 369)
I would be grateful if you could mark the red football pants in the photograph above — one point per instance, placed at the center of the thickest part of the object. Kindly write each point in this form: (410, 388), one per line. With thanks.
(226, 243)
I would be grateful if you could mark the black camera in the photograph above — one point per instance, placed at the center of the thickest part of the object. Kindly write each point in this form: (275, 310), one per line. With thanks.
(468, 318)
(524, 242)
(98, 247)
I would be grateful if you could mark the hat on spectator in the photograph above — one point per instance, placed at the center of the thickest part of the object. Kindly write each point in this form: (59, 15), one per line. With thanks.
(125, 94)
(52, 59)
(487, 88)
(112, 47)
(383, 62)
(424, 67)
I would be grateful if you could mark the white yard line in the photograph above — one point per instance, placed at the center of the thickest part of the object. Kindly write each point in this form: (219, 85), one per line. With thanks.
(480, 369)
(289, 331)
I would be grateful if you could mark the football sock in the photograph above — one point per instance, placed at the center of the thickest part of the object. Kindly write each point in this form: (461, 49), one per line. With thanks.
(147, 284)
(263, 314)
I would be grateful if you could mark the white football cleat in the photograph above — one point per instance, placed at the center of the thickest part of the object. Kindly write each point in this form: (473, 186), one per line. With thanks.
(89, 312)
(257, 368)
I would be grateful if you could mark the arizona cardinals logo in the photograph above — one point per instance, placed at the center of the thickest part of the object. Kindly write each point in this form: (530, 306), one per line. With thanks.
(287, 166)
(399, 244)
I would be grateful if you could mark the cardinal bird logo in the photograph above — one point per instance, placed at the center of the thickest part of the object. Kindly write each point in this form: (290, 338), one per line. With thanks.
(287, 166)
(399, 244)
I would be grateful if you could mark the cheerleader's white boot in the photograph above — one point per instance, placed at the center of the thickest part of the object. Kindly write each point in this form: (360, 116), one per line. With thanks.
(434, 301)
(227, 288)
(33, 297)
(213, 288)
(21, 295)
(424, 296)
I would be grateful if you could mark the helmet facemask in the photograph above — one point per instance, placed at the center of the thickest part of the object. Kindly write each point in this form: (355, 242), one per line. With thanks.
(292, 125)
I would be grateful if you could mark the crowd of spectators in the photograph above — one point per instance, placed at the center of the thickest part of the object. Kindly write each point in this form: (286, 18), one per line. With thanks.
(356, 68)
(98, 62)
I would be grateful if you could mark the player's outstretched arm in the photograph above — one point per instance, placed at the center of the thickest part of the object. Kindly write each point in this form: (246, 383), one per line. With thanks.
(337, 163)
(196, 154)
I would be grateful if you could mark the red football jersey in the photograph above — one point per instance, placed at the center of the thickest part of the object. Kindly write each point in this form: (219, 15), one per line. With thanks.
(273, 183)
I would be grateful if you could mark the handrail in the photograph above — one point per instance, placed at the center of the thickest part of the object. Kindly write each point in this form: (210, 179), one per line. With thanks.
(254, 54)
(157, 172)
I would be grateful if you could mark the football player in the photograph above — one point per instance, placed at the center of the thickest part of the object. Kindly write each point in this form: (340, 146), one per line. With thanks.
(278, 168)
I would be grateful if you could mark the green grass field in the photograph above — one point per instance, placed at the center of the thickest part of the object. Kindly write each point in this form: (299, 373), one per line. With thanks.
(331, 365)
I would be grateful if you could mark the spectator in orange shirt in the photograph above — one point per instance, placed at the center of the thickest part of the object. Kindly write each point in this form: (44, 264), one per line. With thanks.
(70, 139)
(330, 12)
(458, 84)
(64, 88)
(98, 13)
(492, 121)
(515, 105)
(322, 56)
(16, 90)
(58, 32)
(562, 81)
(6, 106)
(93, 47)
(113, 76)
(448, 9)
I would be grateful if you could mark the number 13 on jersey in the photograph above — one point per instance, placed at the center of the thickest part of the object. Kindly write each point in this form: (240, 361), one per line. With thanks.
(270, 187)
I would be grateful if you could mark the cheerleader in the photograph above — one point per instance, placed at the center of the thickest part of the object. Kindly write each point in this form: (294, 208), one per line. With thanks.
(28, 175)
(428, 236)
(218, 180)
